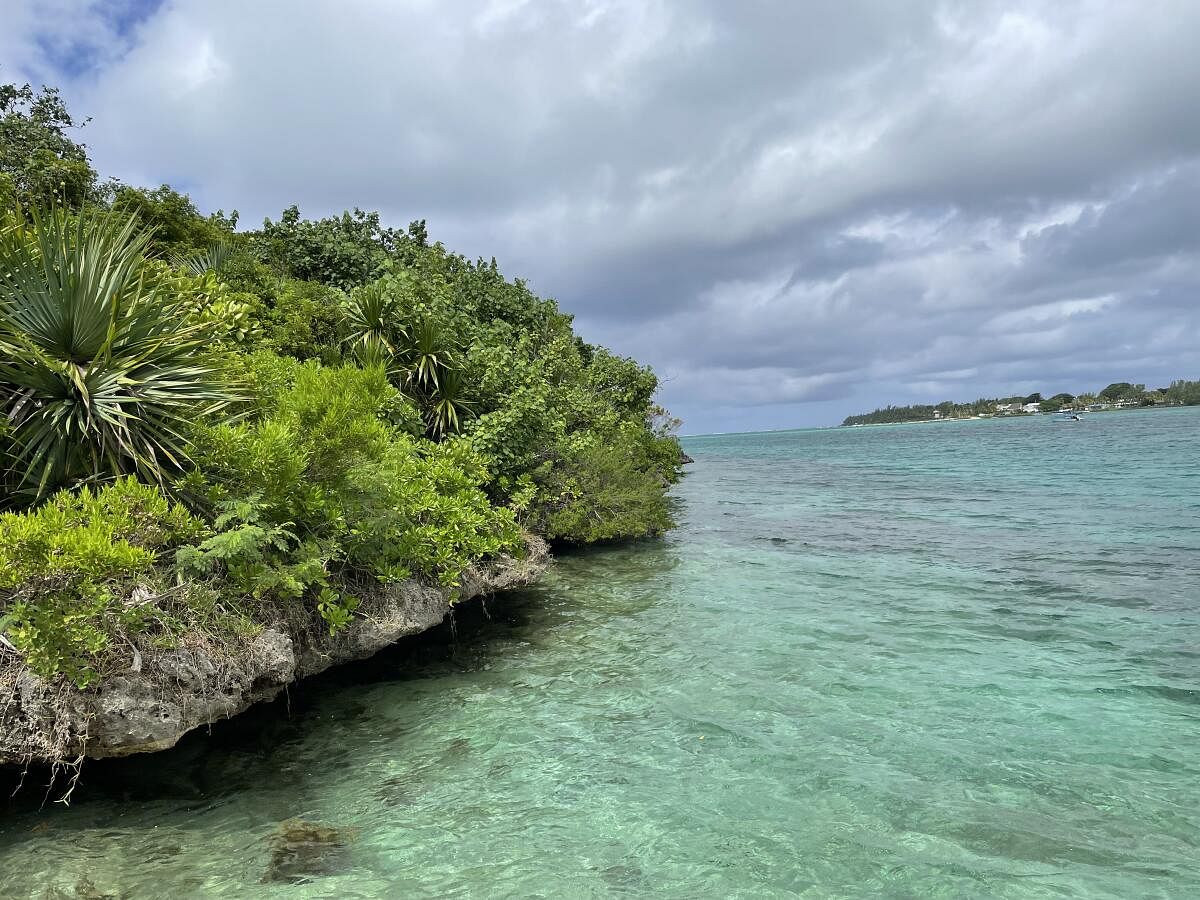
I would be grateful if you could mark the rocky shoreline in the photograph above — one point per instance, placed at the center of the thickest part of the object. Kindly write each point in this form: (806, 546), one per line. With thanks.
(152, 705)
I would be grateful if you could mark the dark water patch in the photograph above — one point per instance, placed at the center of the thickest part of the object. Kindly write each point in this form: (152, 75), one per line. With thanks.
(1166, 692)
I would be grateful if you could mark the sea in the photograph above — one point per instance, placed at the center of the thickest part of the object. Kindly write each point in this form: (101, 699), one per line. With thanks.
(958, 659)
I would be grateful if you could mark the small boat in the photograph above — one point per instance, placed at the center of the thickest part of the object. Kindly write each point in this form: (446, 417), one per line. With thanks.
(1068, 415)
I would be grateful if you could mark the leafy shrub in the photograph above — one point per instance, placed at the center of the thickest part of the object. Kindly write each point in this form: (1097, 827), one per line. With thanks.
(39, 162)
(230, 318)
(304, 320)
(327, 481)
(626, 386)
(608, 489)
(69, 570)
(176, 226)
(341, 251)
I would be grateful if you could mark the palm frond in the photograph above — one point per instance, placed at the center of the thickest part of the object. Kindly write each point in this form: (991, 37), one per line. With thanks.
(201, 262)
(450, 405)
(372, 319)
(101, 371)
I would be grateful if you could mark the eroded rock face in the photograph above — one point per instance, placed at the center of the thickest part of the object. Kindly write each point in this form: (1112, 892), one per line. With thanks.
(140, 712)
(179, 690)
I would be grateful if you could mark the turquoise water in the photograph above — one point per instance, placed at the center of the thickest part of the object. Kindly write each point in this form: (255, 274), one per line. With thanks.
(956, 660)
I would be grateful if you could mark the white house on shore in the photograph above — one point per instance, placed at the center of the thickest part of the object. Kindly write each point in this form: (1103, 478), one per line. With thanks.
(1031, 407)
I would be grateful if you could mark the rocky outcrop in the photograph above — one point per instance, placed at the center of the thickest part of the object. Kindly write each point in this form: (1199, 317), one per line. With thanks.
(155, 703)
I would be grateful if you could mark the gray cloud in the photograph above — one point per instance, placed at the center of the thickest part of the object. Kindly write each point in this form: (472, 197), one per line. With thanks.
(792, 210)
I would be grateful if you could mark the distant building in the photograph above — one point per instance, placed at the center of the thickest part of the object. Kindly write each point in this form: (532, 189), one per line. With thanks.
(1031, 407)
(1007, 407)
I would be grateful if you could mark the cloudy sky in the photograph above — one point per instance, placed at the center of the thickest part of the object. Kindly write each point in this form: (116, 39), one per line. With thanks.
(794, 211)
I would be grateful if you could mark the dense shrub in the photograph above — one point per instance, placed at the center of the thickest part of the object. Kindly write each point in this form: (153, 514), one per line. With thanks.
(333, 402)
(70, 570)
(341, 251)
(328, 481)
(606, 490)
(176, 226)
(303, 320)
(39, 163)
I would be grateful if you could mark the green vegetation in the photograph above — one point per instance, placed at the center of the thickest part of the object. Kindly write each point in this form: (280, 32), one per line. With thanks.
(79, 571)
(1119, 395)
(206, 431)
(39, 162)
(1057, 402)
(103, 360)
(1182, 393)
(891, 415)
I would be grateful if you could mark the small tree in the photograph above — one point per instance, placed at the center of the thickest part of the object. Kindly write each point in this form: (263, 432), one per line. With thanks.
(39, 162)
(1117, 391)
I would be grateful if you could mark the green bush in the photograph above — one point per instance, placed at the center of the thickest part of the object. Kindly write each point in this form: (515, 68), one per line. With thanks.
(70, 569)
(341, 251)
(39, 163)
(334, 402)
(304, 320)
(327, 481)
(177, 226)
(611, 488)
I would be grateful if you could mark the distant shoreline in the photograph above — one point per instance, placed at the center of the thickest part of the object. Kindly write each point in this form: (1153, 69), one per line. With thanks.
(1005, 416)
(1120, 395)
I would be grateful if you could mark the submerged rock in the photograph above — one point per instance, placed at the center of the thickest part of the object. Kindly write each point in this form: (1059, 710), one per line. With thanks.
(625, 878)
(301, 850)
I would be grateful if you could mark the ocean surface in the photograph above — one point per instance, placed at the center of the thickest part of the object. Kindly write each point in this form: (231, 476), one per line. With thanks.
(948, 660)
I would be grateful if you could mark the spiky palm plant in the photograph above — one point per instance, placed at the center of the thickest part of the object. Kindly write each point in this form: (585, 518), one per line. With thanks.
(419, 357)
(101, 370)
(448, 405)
(203, 261)
(373, 323)
(426, 354)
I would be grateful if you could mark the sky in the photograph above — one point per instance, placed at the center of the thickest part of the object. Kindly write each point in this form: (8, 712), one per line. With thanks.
(793, 211)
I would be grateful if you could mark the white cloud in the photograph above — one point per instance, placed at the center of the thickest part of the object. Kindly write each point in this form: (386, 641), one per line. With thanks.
(794, 202)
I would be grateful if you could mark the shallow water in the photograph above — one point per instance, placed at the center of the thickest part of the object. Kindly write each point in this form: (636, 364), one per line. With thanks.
(953, 660)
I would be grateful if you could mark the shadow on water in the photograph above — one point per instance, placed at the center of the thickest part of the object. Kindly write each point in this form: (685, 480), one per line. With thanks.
(234, 754)
(237, 754)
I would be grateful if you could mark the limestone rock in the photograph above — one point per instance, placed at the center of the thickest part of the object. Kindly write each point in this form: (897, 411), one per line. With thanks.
(152, 705)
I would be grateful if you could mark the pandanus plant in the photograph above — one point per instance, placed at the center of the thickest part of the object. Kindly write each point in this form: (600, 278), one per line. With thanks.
(448, 405)
(420, 356)
(373, 321)
(201, 262)
(427, 355)
(102, 369)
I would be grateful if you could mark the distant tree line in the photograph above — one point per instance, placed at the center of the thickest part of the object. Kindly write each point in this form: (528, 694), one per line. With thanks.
(1178, 393)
